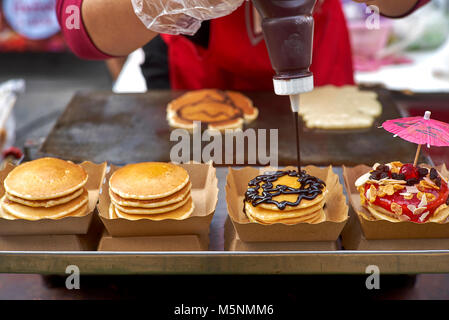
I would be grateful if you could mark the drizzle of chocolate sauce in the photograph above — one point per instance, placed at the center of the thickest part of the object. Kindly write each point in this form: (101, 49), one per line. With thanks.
(309, 189)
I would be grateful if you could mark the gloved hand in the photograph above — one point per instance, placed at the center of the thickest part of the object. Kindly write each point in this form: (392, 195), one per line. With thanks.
(181, 16)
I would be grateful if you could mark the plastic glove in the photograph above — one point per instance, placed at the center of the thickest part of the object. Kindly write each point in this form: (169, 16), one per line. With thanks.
(181, 16)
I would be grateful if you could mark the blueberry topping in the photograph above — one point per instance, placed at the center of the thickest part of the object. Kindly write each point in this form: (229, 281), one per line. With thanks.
(433, 174)
(438, 182)
(384, 175)
(423, 172)
(412, 181)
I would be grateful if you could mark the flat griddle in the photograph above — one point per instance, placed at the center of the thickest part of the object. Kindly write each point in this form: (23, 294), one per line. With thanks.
(126, 128)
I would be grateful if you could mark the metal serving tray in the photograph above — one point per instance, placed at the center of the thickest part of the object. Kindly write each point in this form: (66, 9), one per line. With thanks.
(217, 261)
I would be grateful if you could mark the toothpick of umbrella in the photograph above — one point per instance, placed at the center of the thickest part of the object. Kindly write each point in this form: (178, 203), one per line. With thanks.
(420, 130)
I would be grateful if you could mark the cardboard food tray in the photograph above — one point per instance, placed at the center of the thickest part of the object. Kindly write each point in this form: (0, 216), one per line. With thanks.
(336, 210)
(234, 243)
(217, 261)
(154, 243)
(67, 242)
(204, 194)
(382, 229)
(354, 239)
(64, 226)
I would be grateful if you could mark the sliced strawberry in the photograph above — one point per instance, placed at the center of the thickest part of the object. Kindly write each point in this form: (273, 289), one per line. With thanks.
(409, 171)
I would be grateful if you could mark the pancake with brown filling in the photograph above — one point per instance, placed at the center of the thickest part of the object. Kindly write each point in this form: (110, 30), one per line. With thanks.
(219, 109)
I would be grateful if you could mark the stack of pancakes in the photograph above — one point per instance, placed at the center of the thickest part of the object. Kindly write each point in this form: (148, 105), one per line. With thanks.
(150, 190)
(46, 188)
(307, 211)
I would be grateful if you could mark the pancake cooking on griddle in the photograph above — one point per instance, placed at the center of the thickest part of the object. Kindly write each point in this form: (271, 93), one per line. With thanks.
(218, 109)
(286, 197)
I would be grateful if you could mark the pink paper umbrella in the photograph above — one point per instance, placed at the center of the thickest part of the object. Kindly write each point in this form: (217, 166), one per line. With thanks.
(420, 130)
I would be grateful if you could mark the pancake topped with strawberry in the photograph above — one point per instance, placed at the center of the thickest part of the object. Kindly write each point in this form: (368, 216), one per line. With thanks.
(404, 192)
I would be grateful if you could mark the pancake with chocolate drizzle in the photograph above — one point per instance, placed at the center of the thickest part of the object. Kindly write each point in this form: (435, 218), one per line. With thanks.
(219, 109)
(285, 196)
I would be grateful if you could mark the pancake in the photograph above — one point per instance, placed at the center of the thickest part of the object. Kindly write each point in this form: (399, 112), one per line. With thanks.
(399, 192)
(336, 108)
(381, 214)
(318, 217)
(158, 210)
(46, 178)
(148, 180)
(288, 197)
(291, 182)
(314, 217)
(77, 213)
(219, 109)
(56, 212)
(180, 213)
(271, 216)
(155, 203)
(5, 215)
(46, 203)
(440, 215)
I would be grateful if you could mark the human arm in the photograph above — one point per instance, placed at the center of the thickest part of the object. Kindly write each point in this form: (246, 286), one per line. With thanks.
(118, 27)
(101, 33)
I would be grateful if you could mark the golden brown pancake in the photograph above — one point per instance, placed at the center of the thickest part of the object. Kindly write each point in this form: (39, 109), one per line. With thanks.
(46, 178)
(272, 216)
(314, 217)
(180, 213)
(77, 213)
(440, 215)
(148, 180)
(381, 214)
(158, 210)
(46, 203)
(28, 213)
(219, 109)
(154, 203)
(6, 215)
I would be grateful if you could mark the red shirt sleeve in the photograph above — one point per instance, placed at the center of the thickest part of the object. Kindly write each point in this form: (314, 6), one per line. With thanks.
(74, 32)
(418, 5)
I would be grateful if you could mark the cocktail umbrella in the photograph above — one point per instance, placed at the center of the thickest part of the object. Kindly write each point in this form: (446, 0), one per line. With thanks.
(420, 130)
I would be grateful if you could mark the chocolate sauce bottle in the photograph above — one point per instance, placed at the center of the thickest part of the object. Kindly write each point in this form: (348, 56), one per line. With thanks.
(288, 31)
